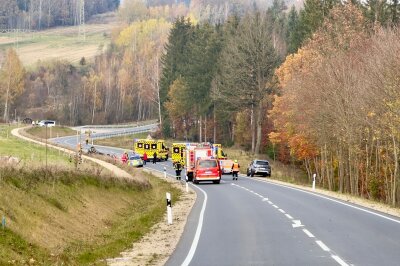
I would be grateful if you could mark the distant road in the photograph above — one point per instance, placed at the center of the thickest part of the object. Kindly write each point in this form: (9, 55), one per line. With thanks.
(256, 222)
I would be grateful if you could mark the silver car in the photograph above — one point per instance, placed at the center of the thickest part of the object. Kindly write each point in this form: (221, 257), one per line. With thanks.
(259, 167)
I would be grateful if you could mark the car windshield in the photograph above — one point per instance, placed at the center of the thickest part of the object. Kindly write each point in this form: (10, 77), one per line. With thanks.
(134, 157)
(226, 163)
(207, 163)
(261, 163)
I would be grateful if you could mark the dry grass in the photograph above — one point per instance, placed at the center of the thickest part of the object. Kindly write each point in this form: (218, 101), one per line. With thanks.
(50, 132)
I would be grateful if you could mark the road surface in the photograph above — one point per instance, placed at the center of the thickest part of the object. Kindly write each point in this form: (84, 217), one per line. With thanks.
(255, 222)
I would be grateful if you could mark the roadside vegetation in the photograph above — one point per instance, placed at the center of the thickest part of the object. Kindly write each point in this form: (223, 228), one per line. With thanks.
(50, 132)
(62, 215)
(125, 142)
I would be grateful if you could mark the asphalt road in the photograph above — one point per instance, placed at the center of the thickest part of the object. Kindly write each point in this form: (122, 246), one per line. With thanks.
(255, 222)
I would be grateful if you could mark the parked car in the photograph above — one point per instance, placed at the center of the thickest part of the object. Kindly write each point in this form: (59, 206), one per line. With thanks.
(207, 170)
(135, 160)
(259, 167)
(48, 123)
(226, 166)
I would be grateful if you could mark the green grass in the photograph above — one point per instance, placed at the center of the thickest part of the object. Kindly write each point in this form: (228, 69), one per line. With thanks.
(125, 142)
(50, 132)
(29, 153)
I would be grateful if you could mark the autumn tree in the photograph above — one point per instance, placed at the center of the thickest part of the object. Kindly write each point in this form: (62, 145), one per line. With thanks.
(12, 75)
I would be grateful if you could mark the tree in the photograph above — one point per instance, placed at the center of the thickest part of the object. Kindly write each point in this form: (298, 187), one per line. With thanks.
(12, 75)
(293, 38)
(247, 66)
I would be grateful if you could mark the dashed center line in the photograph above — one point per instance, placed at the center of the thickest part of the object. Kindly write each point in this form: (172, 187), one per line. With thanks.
(288, 216)
(322, 245)
(339, 260)
(308, 233)
(297, 224)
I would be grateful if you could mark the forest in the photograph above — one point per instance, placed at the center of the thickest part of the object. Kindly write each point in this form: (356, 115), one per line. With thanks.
(315, 85)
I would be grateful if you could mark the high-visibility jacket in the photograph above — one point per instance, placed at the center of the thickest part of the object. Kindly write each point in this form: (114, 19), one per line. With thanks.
(235, 167)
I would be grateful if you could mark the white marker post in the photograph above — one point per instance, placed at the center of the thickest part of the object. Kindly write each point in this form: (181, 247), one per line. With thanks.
(169, 208)
(165, 172)
(313, 182)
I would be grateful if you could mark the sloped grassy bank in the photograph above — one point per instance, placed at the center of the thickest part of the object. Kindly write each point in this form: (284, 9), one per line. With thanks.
(57, 216)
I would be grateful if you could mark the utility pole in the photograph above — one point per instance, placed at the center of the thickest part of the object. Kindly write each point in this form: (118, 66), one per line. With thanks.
(81, 22)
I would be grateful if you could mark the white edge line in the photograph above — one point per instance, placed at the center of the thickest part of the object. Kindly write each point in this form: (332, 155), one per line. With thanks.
(288, 216)
(333, 200)
(322, 245)
(196, 238)
(282, 211)
(308, 233)
(275, 206)
(339, 260)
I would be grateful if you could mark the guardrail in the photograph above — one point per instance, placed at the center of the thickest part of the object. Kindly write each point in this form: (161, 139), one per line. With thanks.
(122, 126)
(119, 133)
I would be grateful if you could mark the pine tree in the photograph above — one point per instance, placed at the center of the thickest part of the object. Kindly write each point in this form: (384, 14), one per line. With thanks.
(293, 38)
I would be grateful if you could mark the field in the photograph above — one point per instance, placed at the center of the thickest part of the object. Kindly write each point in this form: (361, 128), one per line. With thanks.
(52, 132)
(62, 42)
(57, 215)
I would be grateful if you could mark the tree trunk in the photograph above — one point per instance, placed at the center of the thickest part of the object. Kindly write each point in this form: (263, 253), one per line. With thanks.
(215, 127)
(395, 173)
(7, 94)
(94, 100)
(259, 127)
(253, 129)
(200, 129)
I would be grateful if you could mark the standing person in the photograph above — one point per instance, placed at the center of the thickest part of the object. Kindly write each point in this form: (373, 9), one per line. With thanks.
(124, 157)
(235, 170)
(154, 157)
(178, 170)
(144, 158)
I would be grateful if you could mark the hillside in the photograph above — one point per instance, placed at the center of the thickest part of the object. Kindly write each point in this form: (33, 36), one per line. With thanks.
(62, 42)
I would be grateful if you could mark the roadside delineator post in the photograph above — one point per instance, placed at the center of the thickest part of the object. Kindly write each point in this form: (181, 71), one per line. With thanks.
(3, 222)
(169, 208)
(165, 172)
(313, 182)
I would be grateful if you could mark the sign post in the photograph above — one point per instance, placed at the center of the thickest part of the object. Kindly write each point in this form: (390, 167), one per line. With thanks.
(169, 208)
(313, 182)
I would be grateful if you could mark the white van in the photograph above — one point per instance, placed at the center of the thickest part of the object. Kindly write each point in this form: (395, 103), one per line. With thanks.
(48, 123)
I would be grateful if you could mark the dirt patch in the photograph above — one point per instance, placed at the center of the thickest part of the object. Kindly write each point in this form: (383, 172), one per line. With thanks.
(156, 247)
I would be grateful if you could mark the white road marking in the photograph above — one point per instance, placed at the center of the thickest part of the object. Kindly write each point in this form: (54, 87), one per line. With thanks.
(322, 245)
(339, 260)
(308, 233)
(333, 200)
(270, 202)
(297, 223)
(192, 250)
(275, 206)
(265, 199)
(288, 216)
(282, 211)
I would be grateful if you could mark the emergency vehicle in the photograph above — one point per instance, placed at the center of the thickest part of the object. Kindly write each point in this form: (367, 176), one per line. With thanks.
(195, 151)
(150, 146)
(178, 153)
(218, 152)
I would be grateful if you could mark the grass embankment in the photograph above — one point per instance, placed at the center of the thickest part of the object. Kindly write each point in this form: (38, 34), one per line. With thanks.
(124, 142)
(61, 215)
(50, 132)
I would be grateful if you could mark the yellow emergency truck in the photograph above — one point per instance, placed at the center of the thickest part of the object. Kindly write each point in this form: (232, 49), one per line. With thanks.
(150, 146)
(178, 153)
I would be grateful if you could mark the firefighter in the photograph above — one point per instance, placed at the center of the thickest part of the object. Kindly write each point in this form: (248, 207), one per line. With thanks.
(178, 170)
(144, 158)
(235, 170)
